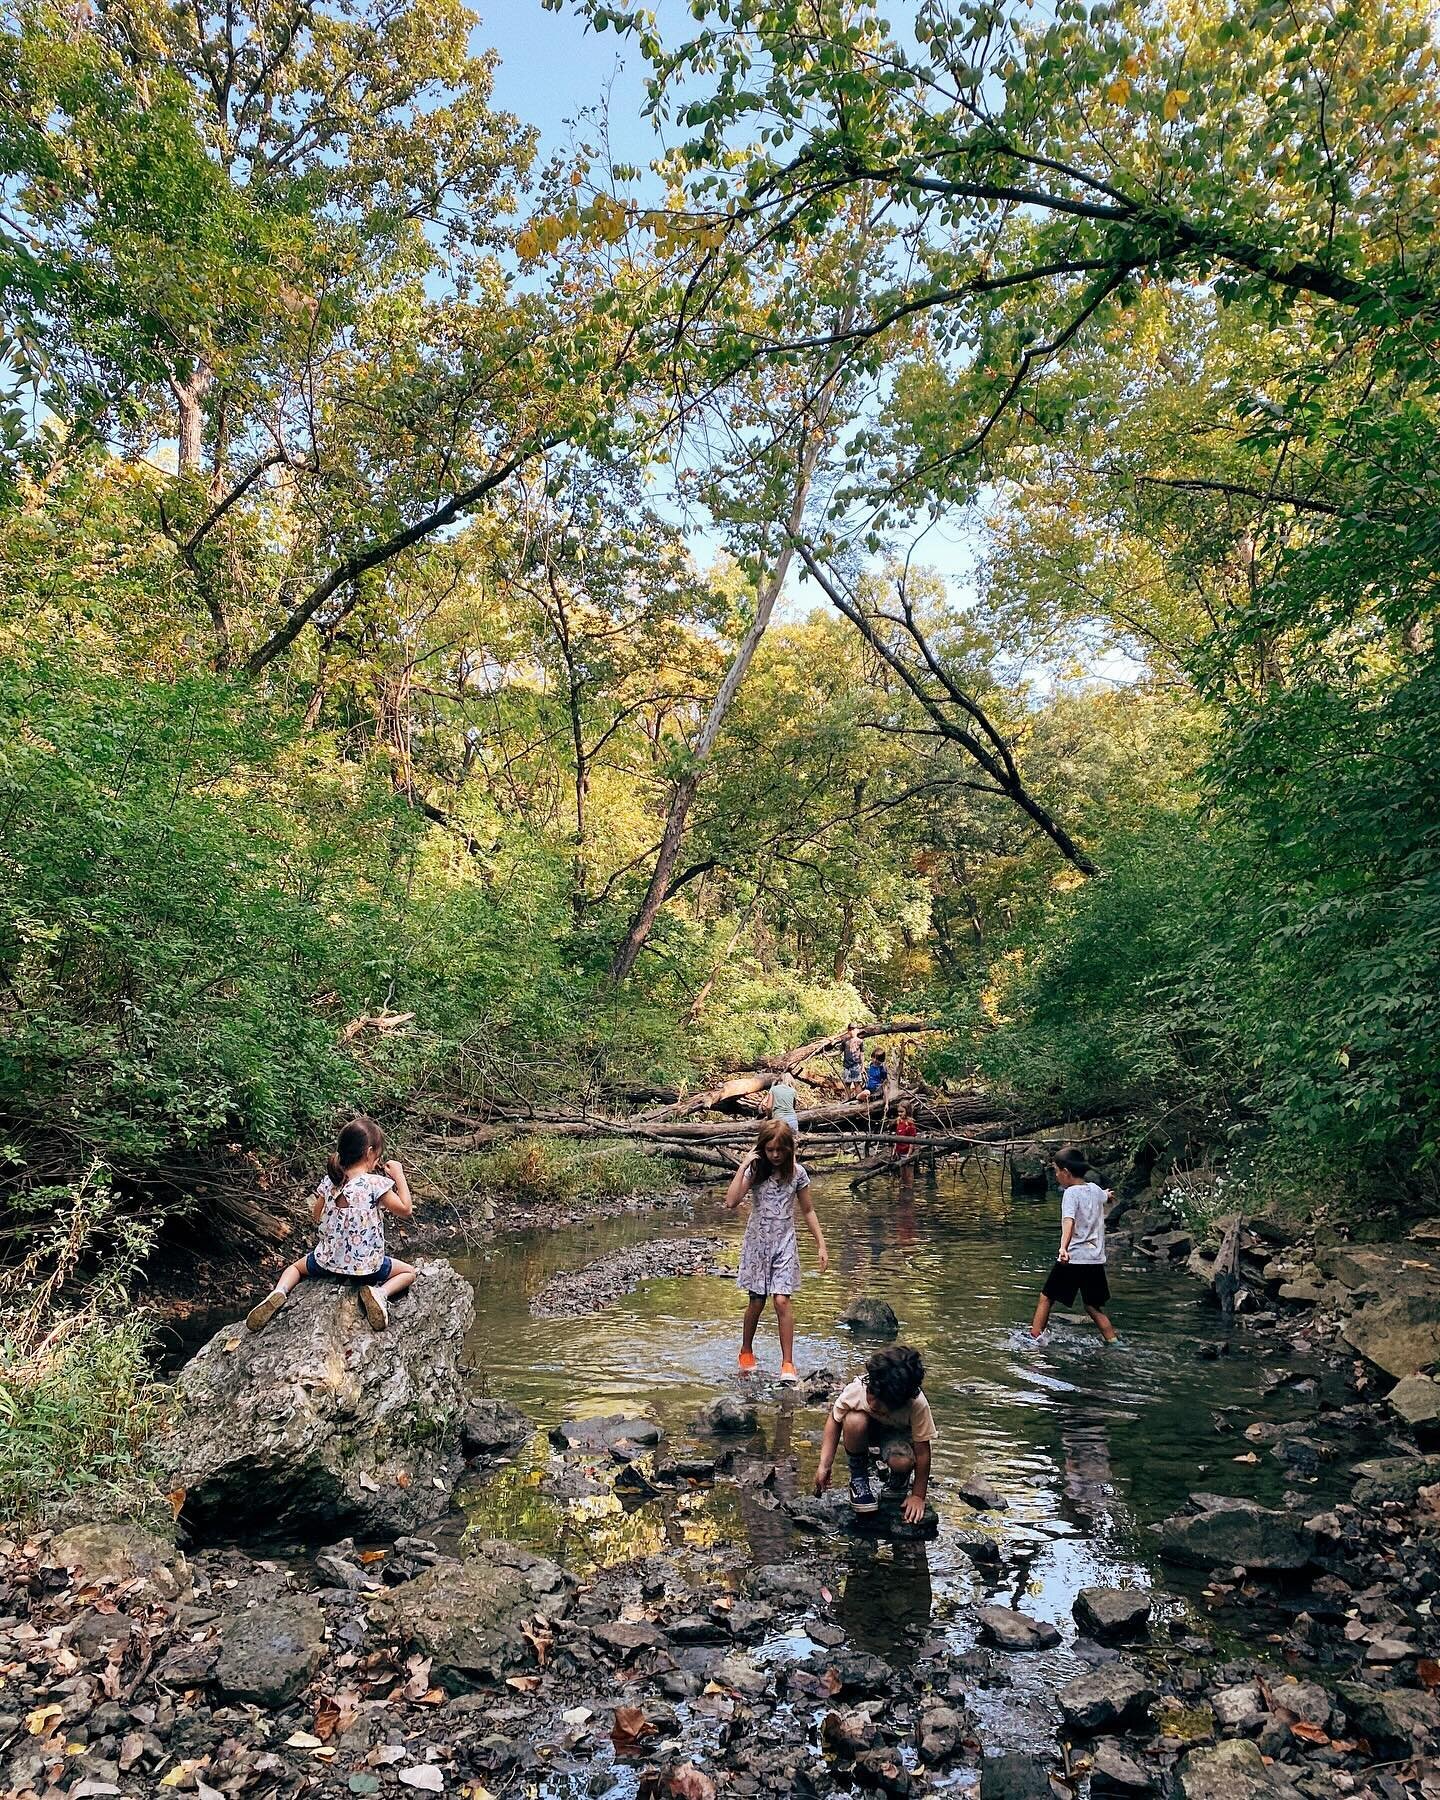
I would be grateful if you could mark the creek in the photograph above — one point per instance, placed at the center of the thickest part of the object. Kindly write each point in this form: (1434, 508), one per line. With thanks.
(1088, 1445)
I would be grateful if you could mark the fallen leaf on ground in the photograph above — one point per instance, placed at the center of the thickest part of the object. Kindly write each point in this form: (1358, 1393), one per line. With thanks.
(369, 1556)
(1249, 1457)
(417, 1672)
(302, 1740)
(424, 1776)
(1308, 1733)
(577, 1715)
(630, 1726)
(687, 1782)
(368, 1482)
(402, 1480)
(38, 1723)
(1428, 1670)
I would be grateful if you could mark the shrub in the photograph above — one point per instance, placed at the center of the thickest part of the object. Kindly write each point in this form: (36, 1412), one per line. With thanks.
(560, 1170)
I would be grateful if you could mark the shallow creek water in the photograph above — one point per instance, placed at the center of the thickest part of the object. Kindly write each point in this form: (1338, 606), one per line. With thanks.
(1089, 1445)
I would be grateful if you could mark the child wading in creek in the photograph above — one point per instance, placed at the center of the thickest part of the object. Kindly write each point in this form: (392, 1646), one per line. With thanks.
(883, 1413)
(775, 1185)
(349, 1207)
(1080, 1266)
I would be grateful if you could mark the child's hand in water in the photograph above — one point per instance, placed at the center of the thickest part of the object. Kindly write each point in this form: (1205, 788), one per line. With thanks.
(913, 1511)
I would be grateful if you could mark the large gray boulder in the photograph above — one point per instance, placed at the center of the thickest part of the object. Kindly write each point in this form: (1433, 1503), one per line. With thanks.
(871, 1318)
(1416, 1399)
(1011, 1630)
(476, 1619)
(1400, 1335)
(320, 1426)
(121, 1553)
(1397, 1478)
(1268, 1542)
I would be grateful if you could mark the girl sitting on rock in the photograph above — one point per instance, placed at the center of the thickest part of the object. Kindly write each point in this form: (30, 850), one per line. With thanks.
(349, 1207)
(775, 1185)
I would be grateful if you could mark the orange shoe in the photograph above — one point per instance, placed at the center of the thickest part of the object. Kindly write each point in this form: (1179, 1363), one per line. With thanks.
(748, 1360)
(787, 1372)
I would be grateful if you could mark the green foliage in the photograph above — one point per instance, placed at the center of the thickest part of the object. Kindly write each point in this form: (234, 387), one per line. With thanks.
(562, 1170)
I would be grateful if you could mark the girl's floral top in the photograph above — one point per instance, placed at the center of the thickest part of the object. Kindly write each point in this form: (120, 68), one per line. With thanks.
(352, 1235)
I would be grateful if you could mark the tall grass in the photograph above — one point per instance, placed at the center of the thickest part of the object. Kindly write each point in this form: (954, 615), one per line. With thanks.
(561, 1170)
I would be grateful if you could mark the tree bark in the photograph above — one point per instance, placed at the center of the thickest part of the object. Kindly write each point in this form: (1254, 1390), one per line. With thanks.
(673, 836)
(190, 415)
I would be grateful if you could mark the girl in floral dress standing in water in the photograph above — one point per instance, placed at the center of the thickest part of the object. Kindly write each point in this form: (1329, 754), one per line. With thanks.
(775, 1185)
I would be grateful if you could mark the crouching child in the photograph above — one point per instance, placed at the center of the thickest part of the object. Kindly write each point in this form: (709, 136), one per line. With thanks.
(883, 1414)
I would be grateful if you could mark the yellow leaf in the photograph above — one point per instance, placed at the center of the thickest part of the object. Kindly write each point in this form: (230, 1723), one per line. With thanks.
(38, 1723)
(1118, 91)
(527, 245)
(1174, 100)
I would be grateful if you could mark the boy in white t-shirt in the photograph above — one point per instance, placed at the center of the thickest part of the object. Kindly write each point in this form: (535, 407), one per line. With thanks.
(883, 1413)
(1080, 1266)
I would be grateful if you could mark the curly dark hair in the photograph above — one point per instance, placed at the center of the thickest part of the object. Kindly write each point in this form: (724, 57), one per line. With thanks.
(894, 1376)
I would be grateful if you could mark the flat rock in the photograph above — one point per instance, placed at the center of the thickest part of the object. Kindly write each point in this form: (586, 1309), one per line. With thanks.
(872, 1318)
(1014, 1775)
(1303, 1700)
(1397, 1721)
(1265, 1541)
(728, 1416)
(1113, 1771)
(1110, 1614)
(1398, 1478)
(601, 1436)
(1238, 1707)
(1416, 1399)
(740, 1676)
(978, 1492)
(491, 1427)
(470, 1617)
(1114, 1697)
(1010, 1630)
(268, 1653)
(1400, 1335)
(318, 1423)
(858, 1673)
(1234, 1770)
(1426, 1232)
(624, 1638)
(1384, 1270)
(122, 1553)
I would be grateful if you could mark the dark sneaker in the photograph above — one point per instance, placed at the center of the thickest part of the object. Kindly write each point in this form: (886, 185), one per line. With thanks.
(260, 1316)
(374, 1308)
(862, 1494)
(896, 1487)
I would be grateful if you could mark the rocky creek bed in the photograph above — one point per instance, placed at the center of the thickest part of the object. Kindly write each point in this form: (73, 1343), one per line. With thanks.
(1283, 1651)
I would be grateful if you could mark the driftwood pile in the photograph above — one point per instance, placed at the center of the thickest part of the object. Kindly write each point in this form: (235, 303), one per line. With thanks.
(714, 1127)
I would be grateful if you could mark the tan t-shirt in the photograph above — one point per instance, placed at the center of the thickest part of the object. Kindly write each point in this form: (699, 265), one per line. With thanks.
(914, 1421)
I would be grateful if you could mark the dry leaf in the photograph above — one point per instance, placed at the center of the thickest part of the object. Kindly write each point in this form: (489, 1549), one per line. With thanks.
(417, 1677)
(1428, 1671)
(540, 1642)
(630, 1726)
(180, 1773)
(687, 1782)
(1249, 1457)
(424, 1776)
(368, 1482)
(1308, 1733)
(369, 1556)
(524, 1684)
(302, 1740)
(578, 1715)
(39, 1722)
(402, 1480)
(327, 1720)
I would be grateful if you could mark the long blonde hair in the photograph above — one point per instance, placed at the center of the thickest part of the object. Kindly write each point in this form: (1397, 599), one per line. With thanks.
(774, 1151)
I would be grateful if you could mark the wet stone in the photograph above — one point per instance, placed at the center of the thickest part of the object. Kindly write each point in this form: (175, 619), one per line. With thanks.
(1230, 1771)
(1238, 1708)
(978, 1492)
(1010, 1630)
(1014, 1775)
(1235, 1533)
(599, 1436)
(626, 1638)
(871, 1318)
(940, 1733)
(1114, 1771)
(1396, 1721)
(1114, 1697)
(726, 1415)
(856, 1671)
(1111, 1614)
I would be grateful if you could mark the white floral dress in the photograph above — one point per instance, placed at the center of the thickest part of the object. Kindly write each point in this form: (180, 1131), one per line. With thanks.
(352, 1236)
(770, 1254)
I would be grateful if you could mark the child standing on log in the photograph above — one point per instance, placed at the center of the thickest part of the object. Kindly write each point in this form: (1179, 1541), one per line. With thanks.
(775, 1185)
(349, 1207)
(1080, 1266)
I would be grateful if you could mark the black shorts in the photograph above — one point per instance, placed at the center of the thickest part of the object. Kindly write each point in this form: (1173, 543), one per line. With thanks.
(1066, 1280)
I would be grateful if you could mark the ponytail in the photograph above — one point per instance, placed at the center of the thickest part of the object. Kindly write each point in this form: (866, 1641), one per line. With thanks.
(357, 1140)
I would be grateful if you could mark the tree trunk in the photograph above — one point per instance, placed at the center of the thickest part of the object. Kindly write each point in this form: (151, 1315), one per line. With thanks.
(673, 836)
(190, 416)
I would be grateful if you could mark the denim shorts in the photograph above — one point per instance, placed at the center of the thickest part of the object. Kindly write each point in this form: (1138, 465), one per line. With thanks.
(312, 1267)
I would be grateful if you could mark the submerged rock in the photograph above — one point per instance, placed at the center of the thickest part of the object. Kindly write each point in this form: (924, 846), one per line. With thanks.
(871, 1318)
(318, 1422)
(728, 1416)
(1268, 1542)
(1110, 1614)
(472, 1618)
(1014, 1775)
(611, 1434)
(984, 1495)
(1010, 1630)
(491, 1427)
